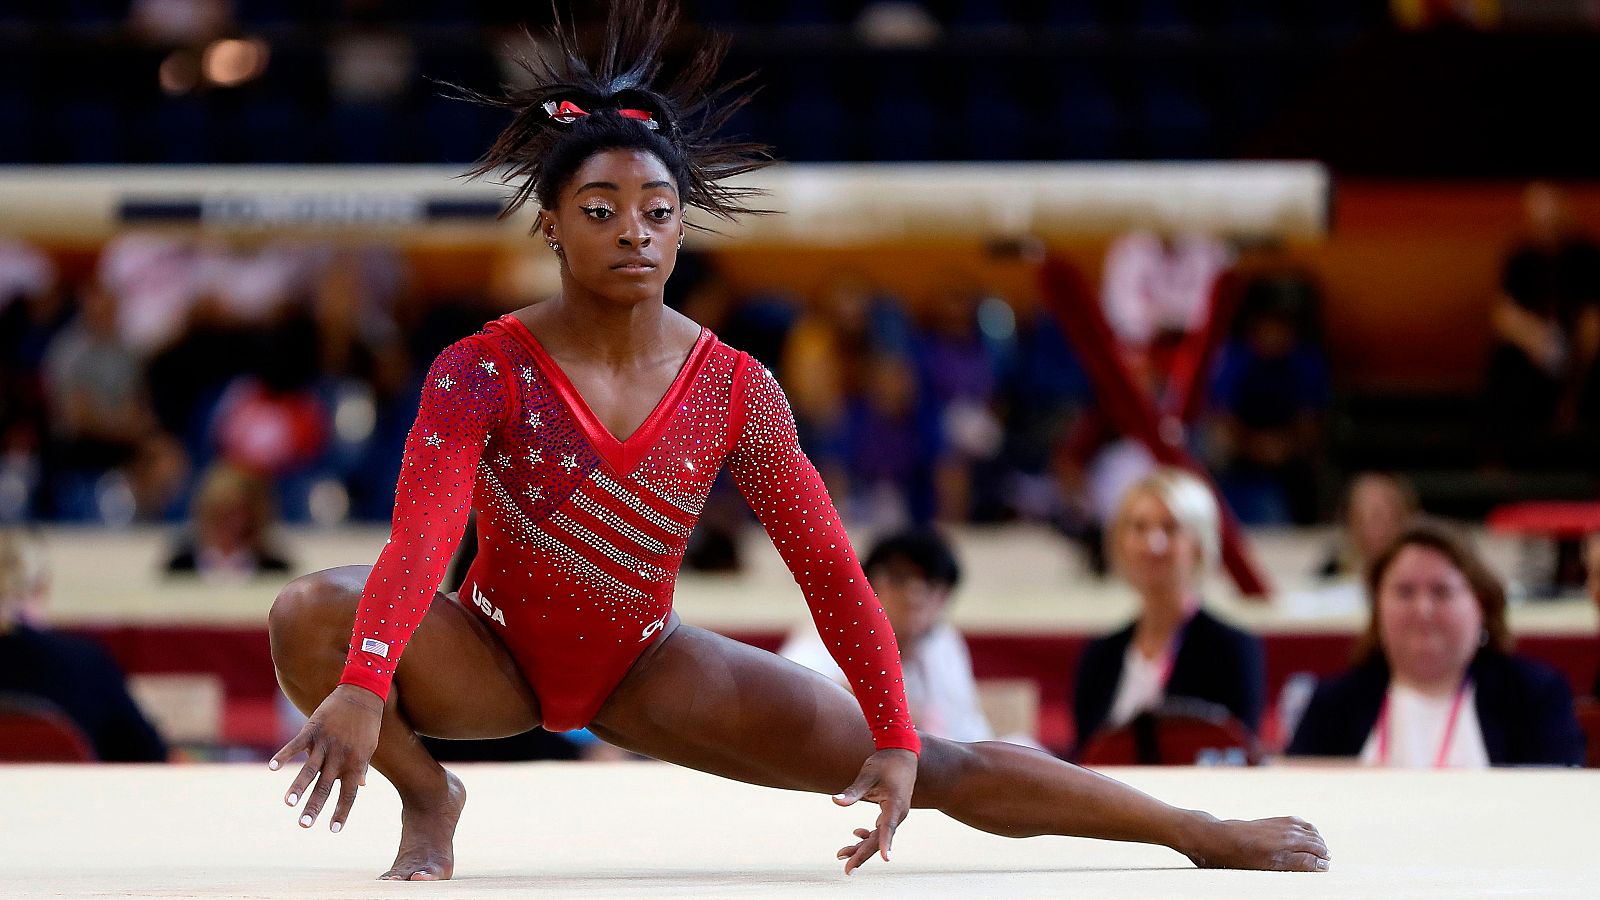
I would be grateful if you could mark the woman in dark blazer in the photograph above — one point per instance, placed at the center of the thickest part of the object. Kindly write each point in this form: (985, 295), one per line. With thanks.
(1435, 683)
(1165, 537)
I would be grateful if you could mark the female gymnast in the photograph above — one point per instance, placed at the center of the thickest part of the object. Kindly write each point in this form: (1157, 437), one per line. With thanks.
(585, 431)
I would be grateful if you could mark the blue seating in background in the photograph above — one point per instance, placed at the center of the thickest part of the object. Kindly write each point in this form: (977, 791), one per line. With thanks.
(18, 142)
(1087, 121)
(715, 12)
(901, 122)
(812, 125)
(281, 12)
(465, 13)
(982, 14)
(102, 13)
(456, 131)
(273, 129)
(808, 13)
(1163, 17)
(94, 132)
(368, 133)
(1174, 124)
(1073, 16)
(824, 96)
(994, 123)
(179, 130)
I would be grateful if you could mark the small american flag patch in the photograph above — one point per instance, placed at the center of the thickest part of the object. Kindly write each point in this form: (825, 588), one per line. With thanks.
(371, 645)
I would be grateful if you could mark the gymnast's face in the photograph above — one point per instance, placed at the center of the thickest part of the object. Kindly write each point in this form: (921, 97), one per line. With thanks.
(618, 221)
(1428, 617)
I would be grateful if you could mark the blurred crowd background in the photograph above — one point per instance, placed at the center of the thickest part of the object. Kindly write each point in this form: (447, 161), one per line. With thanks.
(1438, 352)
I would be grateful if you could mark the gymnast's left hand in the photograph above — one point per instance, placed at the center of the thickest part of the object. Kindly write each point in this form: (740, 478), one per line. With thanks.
(887, 779)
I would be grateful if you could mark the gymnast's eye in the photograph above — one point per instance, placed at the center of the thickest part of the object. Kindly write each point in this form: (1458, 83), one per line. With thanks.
(661, 213)
(596, 212)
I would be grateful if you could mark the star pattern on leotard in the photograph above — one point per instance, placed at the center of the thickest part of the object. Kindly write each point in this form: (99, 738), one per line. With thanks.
(533, 492)
(535, 419)
(535, 456)
(445, 382)
(527, 374)
(503, 460)
(487, 365)
(569, 461)
(434, 441)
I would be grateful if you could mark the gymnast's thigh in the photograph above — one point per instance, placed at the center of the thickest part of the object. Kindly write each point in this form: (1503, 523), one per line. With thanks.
(459, 681)
(711, 703)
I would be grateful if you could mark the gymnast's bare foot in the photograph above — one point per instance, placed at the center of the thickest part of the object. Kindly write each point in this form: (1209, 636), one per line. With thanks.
(427, 835)
(1285, 844)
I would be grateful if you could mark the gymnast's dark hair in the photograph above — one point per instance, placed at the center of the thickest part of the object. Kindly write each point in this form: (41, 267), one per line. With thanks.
(539, 155)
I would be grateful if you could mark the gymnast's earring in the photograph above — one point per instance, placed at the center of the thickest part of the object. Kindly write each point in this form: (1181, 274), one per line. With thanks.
(680, 242)
(555, 245)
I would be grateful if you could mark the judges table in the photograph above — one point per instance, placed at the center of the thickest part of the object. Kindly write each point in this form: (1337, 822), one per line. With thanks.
(650, 830)
(1025, 605)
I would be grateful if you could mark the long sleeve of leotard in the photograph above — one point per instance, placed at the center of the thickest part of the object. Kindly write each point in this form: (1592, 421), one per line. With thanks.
(463, 398)
(786, 493)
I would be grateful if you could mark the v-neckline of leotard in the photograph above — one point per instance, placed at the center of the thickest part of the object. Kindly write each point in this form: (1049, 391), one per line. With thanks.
(620, 454)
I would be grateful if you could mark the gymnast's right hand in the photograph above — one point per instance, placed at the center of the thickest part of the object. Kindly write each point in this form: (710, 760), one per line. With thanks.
(338, 741)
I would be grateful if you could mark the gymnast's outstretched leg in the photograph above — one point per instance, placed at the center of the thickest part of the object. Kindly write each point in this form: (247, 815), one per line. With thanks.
(710, 703)
(456, 681)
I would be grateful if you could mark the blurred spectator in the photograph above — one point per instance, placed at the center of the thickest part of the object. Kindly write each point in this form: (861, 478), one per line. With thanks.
(1095, 466)
(70, 672)
(229, 537)
(829, 349)
(31, 313)
(102, 421)
(962, 354)
(156, 279)
(1376, 509)
(857, 402)
(914, 573)
(364, 374)
(1435, 683)
(272, 422)
(888, 448)
(251, 285)
(357, 338)
(1046, 392)
(1270, 395)
(1547, 322)
(1591, 583)
(1164, 539)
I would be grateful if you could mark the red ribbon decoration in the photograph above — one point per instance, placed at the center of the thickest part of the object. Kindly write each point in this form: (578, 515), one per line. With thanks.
(566, 112)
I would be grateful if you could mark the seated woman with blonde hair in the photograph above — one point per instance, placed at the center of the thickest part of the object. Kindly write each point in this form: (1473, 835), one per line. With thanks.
(1164, 539)
(1435, 682)
(230, 534)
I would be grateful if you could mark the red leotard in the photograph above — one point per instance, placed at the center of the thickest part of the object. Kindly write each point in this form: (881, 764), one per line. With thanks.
(580, 536)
